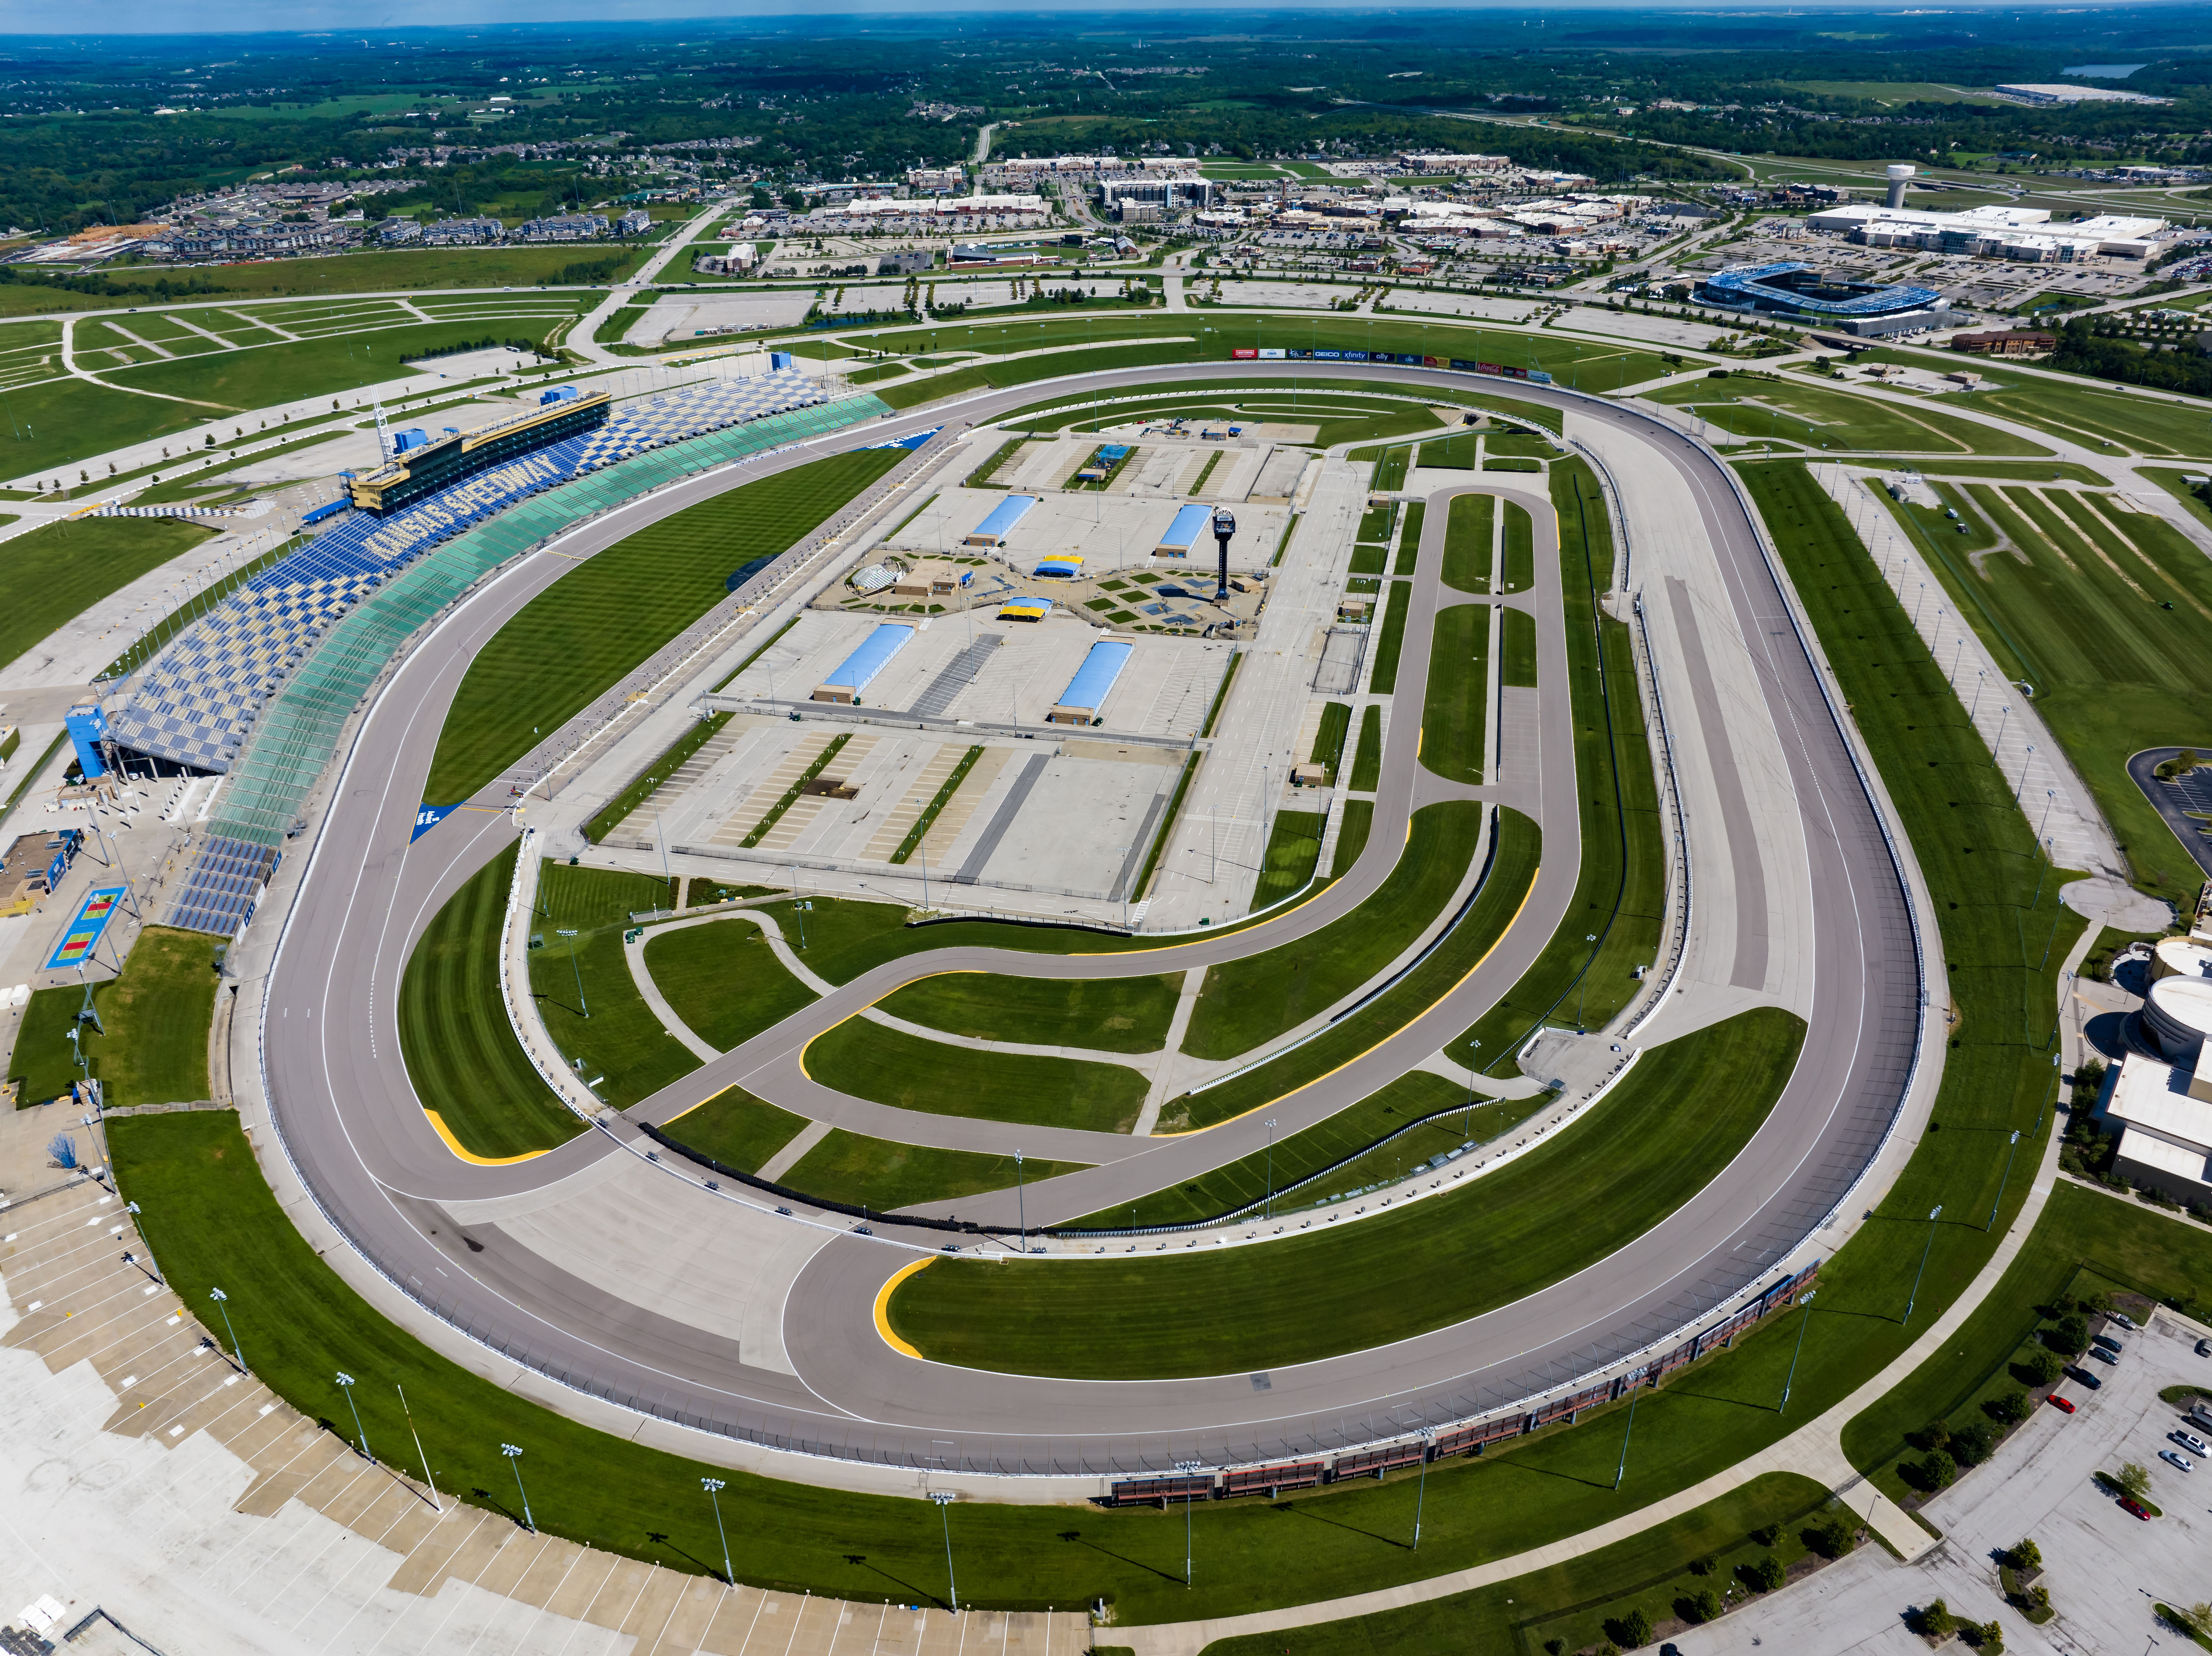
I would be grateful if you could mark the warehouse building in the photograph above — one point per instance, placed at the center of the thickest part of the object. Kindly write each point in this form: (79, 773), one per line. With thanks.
(1994, 231)
(1000, 521)
(1184, 534)
(1084, 700)
(875, 653)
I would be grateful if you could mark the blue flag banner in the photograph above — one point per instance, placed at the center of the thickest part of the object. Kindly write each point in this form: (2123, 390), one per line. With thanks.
(430, 816)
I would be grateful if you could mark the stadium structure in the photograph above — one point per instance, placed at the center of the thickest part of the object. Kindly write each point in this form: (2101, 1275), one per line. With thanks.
(1790, 288)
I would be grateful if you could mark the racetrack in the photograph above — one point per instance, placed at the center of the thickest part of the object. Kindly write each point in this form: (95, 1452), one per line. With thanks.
(815, 1374)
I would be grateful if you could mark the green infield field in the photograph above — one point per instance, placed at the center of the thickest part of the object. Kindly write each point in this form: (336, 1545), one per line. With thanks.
(1458, 698)
(1366, 1282)
(1823, 419)
(1110, 1015)
(1293, 853)
(1248, 1002)
(2104, 609)
(1388, 638)
(53, 574)
(585, 990)
(1469, 529)
(1367, 758)
(155, 1015)
(614, 610)
(2107, 420)
(1517, 650)
(867, 1060)
(461, 1052)
(723, 980)
(1516, 548)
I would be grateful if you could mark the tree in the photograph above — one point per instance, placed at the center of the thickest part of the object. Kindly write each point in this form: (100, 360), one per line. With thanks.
(1704, 1605)
(2199, 1618)
(1835, 1536)
(1767, 1573)
(1768, 1534)
(2134, 1480)
(2070, 1335)
(2045, 1365)
(1935, 1435)
(1937, 1471)
(1633, 1630)
(1937, 1621)
(2026, 1556)
(1989, 1638)
(2009, 1407)
(1970, 1444)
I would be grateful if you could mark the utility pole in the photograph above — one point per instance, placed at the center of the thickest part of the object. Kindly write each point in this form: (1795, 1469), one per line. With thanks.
(1915, 1299)
(1806, 1301)
(944, 1499)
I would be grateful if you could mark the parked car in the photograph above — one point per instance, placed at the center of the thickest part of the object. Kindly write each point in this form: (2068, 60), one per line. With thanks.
(2172, 1460)
(2103, 1356)
(2065, 1404)
(2087, 1379)
(2132, 1505)
(2108, 1343)
(2204, 1348)
(2191, 1442)
(2124, 1321)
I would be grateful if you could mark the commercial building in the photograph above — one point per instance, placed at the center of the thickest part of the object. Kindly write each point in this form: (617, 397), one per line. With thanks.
(2007, 341)
(1084, 700)
(1184, 534)
(932, 578)
(853, 675)
(1164, 194)
(419, 469)
(999, 523)
(2061, 92)
(2163, 1099)
(1994, 231)
(1437, 161)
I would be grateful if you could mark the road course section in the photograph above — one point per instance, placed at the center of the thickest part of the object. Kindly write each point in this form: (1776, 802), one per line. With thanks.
(818, 1376)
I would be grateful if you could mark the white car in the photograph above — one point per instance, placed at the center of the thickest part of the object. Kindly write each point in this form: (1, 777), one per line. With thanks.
(2172, 1460)
(2191, 1442)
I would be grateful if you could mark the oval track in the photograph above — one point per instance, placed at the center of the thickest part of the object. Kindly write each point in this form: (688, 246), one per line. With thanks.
(355, 1130)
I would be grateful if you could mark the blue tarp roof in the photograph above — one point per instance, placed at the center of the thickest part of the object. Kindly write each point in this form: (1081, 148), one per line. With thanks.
(1004, 515)
(1114, 451)
(1062, 566)
(1093, 679)
(871, 658)
(1015, 606)
(1188, 526)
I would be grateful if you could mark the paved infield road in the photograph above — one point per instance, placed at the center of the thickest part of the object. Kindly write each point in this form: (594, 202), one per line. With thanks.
(349, 1119)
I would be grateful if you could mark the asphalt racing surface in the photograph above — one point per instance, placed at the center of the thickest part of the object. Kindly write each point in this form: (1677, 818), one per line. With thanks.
(358, 1134)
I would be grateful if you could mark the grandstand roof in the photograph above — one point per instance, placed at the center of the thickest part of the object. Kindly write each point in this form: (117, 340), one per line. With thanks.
(1771, 287)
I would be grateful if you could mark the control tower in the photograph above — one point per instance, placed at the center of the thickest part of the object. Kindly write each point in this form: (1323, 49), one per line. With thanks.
(1900, 175)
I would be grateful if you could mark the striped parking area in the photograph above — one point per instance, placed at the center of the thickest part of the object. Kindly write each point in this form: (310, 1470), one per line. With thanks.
(208, 1492)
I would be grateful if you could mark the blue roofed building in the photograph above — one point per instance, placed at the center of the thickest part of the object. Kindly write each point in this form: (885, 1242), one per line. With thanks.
(1184, 533)
(854, 673)
(1084, 700)
(994, 528)
(1790, 289)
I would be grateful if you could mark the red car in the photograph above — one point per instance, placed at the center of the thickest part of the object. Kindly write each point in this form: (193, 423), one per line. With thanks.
(2131, 1505)
(2058, 1402)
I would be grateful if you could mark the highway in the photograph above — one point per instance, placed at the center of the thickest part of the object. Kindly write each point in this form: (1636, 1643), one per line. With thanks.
(356, 1134)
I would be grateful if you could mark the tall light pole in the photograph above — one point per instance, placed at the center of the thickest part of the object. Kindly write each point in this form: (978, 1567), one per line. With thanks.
(1933, 1214)
(514, 1459)
(1189, 1469)
(345, 1384)
(1621, 1470)
(1421, 1490)
(578, 970)
(1271, 1167)
(222, 1303)
(436, 1505)
(2010, 1153)
(1021, 1207)
(714, 1487)
(944, 1499)
(132, 1208)
(1805, 1300)
(2050, 1095)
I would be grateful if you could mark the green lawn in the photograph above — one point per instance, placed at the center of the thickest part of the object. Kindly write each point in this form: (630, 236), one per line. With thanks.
(723, 980)
(1458, 694)
(1339, 1148)
(612, 610)
(1822, 418)
(1468, 536)
(2112, 421)
(50, 576)
(1663, 1132)
(2116, 1242)
(353, 273)
(1389, 639)
(586, 897)
(1293, 851)
(156, 1014)
(867, 1060)
(1517, 549)
(610, 1030)
(1517, 650)
(1409, 540)
(52, 426)
(1329, 740)
(736, 1129)
(1369, 559)
(1367, 758)
(1621, 893)
(876, 1172)
(2084, 619)
(1112, 1014)
(1250, 1001)
(461, 1052)
(1352, 835)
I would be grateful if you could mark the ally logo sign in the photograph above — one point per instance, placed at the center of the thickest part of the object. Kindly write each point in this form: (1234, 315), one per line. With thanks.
(430, 816)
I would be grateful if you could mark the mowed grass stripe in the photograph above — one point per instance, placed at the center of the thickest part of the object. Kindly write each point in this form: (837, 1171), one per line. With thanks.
(724, 981)
(911, 1072)
(1469, 531)
(1116, 1015)
(1664, 1133)
(52, 574)
(460, 1051)
(1458, 694)
(611, 611)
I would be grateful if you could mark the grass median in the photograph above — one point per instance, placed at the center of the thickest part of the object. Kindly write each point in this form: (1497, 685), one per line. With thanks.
(1113, 1014)
(1663, 1132)
(724, 981)
(1751, 406)
(1246, 1003)
(1458, 696)
(585, 990)
(1469, 527)
(1389, 639)
(910, 1072)
(460, 1051)
(612, 610)
(1612, 925)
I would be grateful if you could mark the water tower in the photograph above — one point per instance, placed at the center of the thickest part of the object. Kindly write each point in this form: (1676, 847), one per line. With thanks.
(1900, 175)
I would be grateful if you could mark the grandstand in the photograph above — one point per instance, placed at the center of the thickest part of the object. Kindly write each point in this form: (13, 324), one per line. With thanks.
(196, 702)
